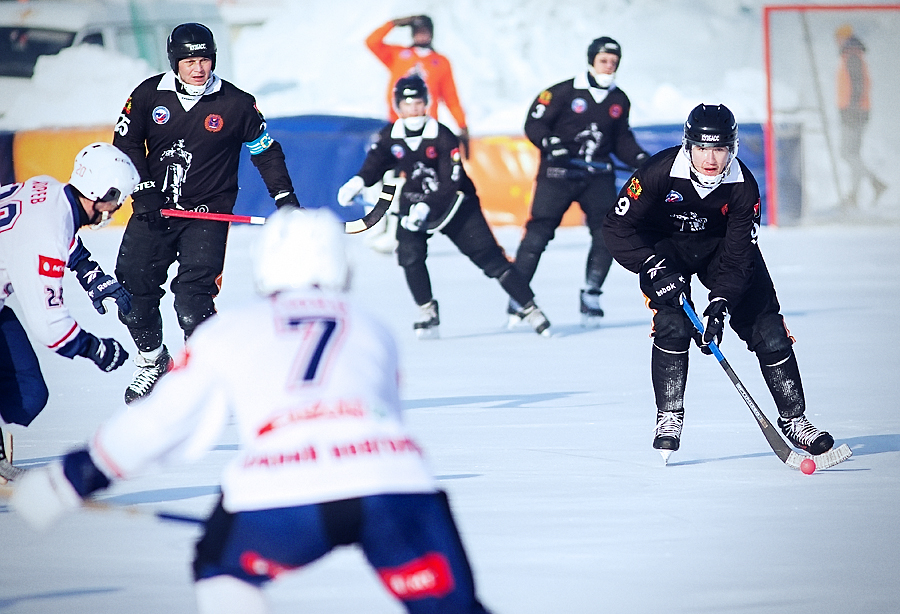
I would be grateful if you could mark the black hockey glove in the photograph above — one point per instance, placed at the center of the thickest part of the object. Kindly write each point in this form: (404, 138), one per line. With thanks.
(554, 149)
(286, 198)
(464, 142)
(660, 282)
(714, 324)
(147, 201)
(107, 354)
(100, 286)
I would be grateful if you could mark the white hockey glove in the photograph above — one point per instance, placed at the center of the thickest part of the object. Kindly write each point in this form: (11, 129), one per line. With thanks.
(349, 190)
(414, 221)
(42, 495)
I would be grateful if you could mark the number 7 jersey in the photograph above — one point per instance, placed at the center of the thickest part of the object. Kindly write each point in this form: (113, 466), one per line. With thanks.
(312, 383)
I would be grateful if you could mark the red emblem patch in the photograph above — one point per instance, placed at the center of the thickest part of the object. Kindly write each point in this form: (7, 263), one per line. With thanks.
(214, 122)
(615, 111)
(431, 152)
(50, 267)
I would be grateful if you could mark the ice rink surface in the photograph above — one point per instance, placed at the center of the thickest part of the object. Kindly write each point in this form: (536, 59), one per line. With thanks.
(544, 448)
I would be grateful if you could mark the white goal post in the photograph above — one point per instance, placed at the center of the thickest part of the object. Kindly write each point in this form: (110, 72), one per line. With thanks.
(832, 133)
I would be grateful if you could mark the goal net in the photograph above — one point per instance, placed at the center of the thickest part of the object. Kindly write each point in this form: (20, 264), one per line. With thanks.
(833, 127)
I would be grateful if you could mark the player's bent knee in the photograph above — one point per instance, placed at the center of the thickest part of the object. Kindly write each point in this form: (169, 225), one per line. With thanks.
(227, 595)
(770, 338)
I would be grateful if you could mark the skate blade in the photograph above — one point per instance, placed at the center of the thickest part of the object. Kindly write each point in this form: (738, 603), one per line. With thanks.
(665, 455)
(428, 333)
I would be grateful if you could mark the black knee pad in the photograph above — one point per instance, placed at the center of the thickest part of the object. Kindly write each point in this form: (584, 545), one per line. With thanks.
(770, 338)
(672, 330)
(409, 255)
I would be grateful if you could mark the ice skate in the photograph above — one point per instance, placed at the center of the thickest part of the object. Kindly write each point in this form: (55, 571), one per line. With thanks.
(591, 313)
(802, 434)
(534, 317)
(148, 373)
(8, 473)
(667, 436)
(513, 314)
(427, 326)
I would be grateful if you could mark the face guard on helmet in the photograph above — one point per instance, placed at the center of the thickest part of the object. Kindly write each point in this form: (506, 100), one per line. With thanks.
(102, 172)
(190, 40)
(710, 126)
(301, 249)
(411, 88)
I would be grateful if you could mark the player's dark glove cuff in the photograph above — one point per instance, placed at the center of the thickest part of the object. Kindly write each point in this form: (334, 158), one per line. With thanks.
(100, 286)
(83, 474)
(146, 198)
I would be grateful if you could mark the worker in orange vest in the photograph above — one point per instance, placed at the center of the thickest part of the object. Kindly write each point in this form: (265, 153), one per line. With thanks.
(853, 86)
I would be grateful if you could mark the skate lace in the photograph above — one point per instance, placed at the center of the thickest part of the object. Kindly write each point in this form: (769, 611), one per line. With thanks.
(669, 423)
(144, 378)
(802, 430)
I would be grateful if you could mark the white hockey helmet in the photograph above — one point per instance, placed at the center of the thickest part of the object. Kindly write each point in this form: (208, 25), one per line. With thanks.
(301, 248)
(103, 172)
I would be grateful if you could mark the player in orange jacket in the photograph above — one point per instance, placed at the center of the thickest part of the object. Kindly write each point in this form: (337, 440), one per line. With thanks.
(423, 60)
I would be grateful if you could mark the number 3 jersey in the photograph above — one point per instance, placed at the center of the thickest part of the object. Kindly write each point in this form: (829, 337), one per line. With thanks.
(311, 381)
(37, 232)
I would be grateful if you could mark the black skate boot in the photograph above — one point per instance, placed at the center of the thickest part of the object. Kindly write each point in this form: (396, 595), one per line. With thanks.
(590, 308)
(427, 326)
(802, 434)
(667, 436)
(148, 373)
(535, 318)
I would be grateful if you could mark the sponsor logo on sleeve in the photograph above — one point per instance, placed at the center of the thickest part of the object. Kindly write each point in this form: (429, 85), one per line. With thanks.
(50, 267)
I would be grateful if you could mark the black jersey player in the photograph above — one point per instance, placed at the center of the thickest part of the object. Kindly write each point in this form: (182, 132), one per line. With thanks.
(694, 210)
(184, 130)
(577, 124)
(437, 195)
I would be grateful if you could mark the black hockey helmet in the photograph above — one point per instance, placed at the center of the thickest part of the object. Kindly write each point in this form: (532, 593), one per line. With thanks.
(711, 126)
(190, 40)
(422, 22)
(603, 44)
(411, 86)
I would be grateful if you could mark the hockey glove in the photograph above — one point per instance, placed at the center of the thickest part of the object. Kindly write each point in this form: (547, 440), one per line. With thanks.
(464, 142)
(349, 190)
(108, 354)
(146, 202)
(414, 221)
(43, 495)
(714, 324)
(660, 282)
(554, 149)
(404, 21)
(100, 286)
(284, 199)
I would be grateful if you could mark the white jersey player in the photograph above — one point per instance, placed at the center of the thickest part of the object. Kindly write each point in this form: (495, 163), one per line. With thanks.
(39, 219)
(311, 381)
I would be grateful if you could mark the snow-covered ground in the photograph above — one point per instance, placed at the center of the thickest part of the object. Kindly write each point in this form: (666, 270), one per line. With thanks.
(544, 448)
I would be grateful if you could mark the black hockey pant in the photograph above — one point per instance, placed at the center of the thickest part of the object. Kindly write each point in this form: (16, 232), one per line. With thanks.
(756, 319)
(142, 268)
(469, 231)
(552, 198)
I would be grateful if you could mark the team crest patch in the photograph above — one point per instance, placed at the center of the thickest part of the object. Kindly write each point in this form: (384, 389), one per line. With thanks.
(431, 152)
(545, 97)
(161, 115)
(725, 209)
(213, 122)
(397, 151)
(454, 155)
(579, 105)
(634, 188)
(127, 108)
(615, 111)
(674, 197)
